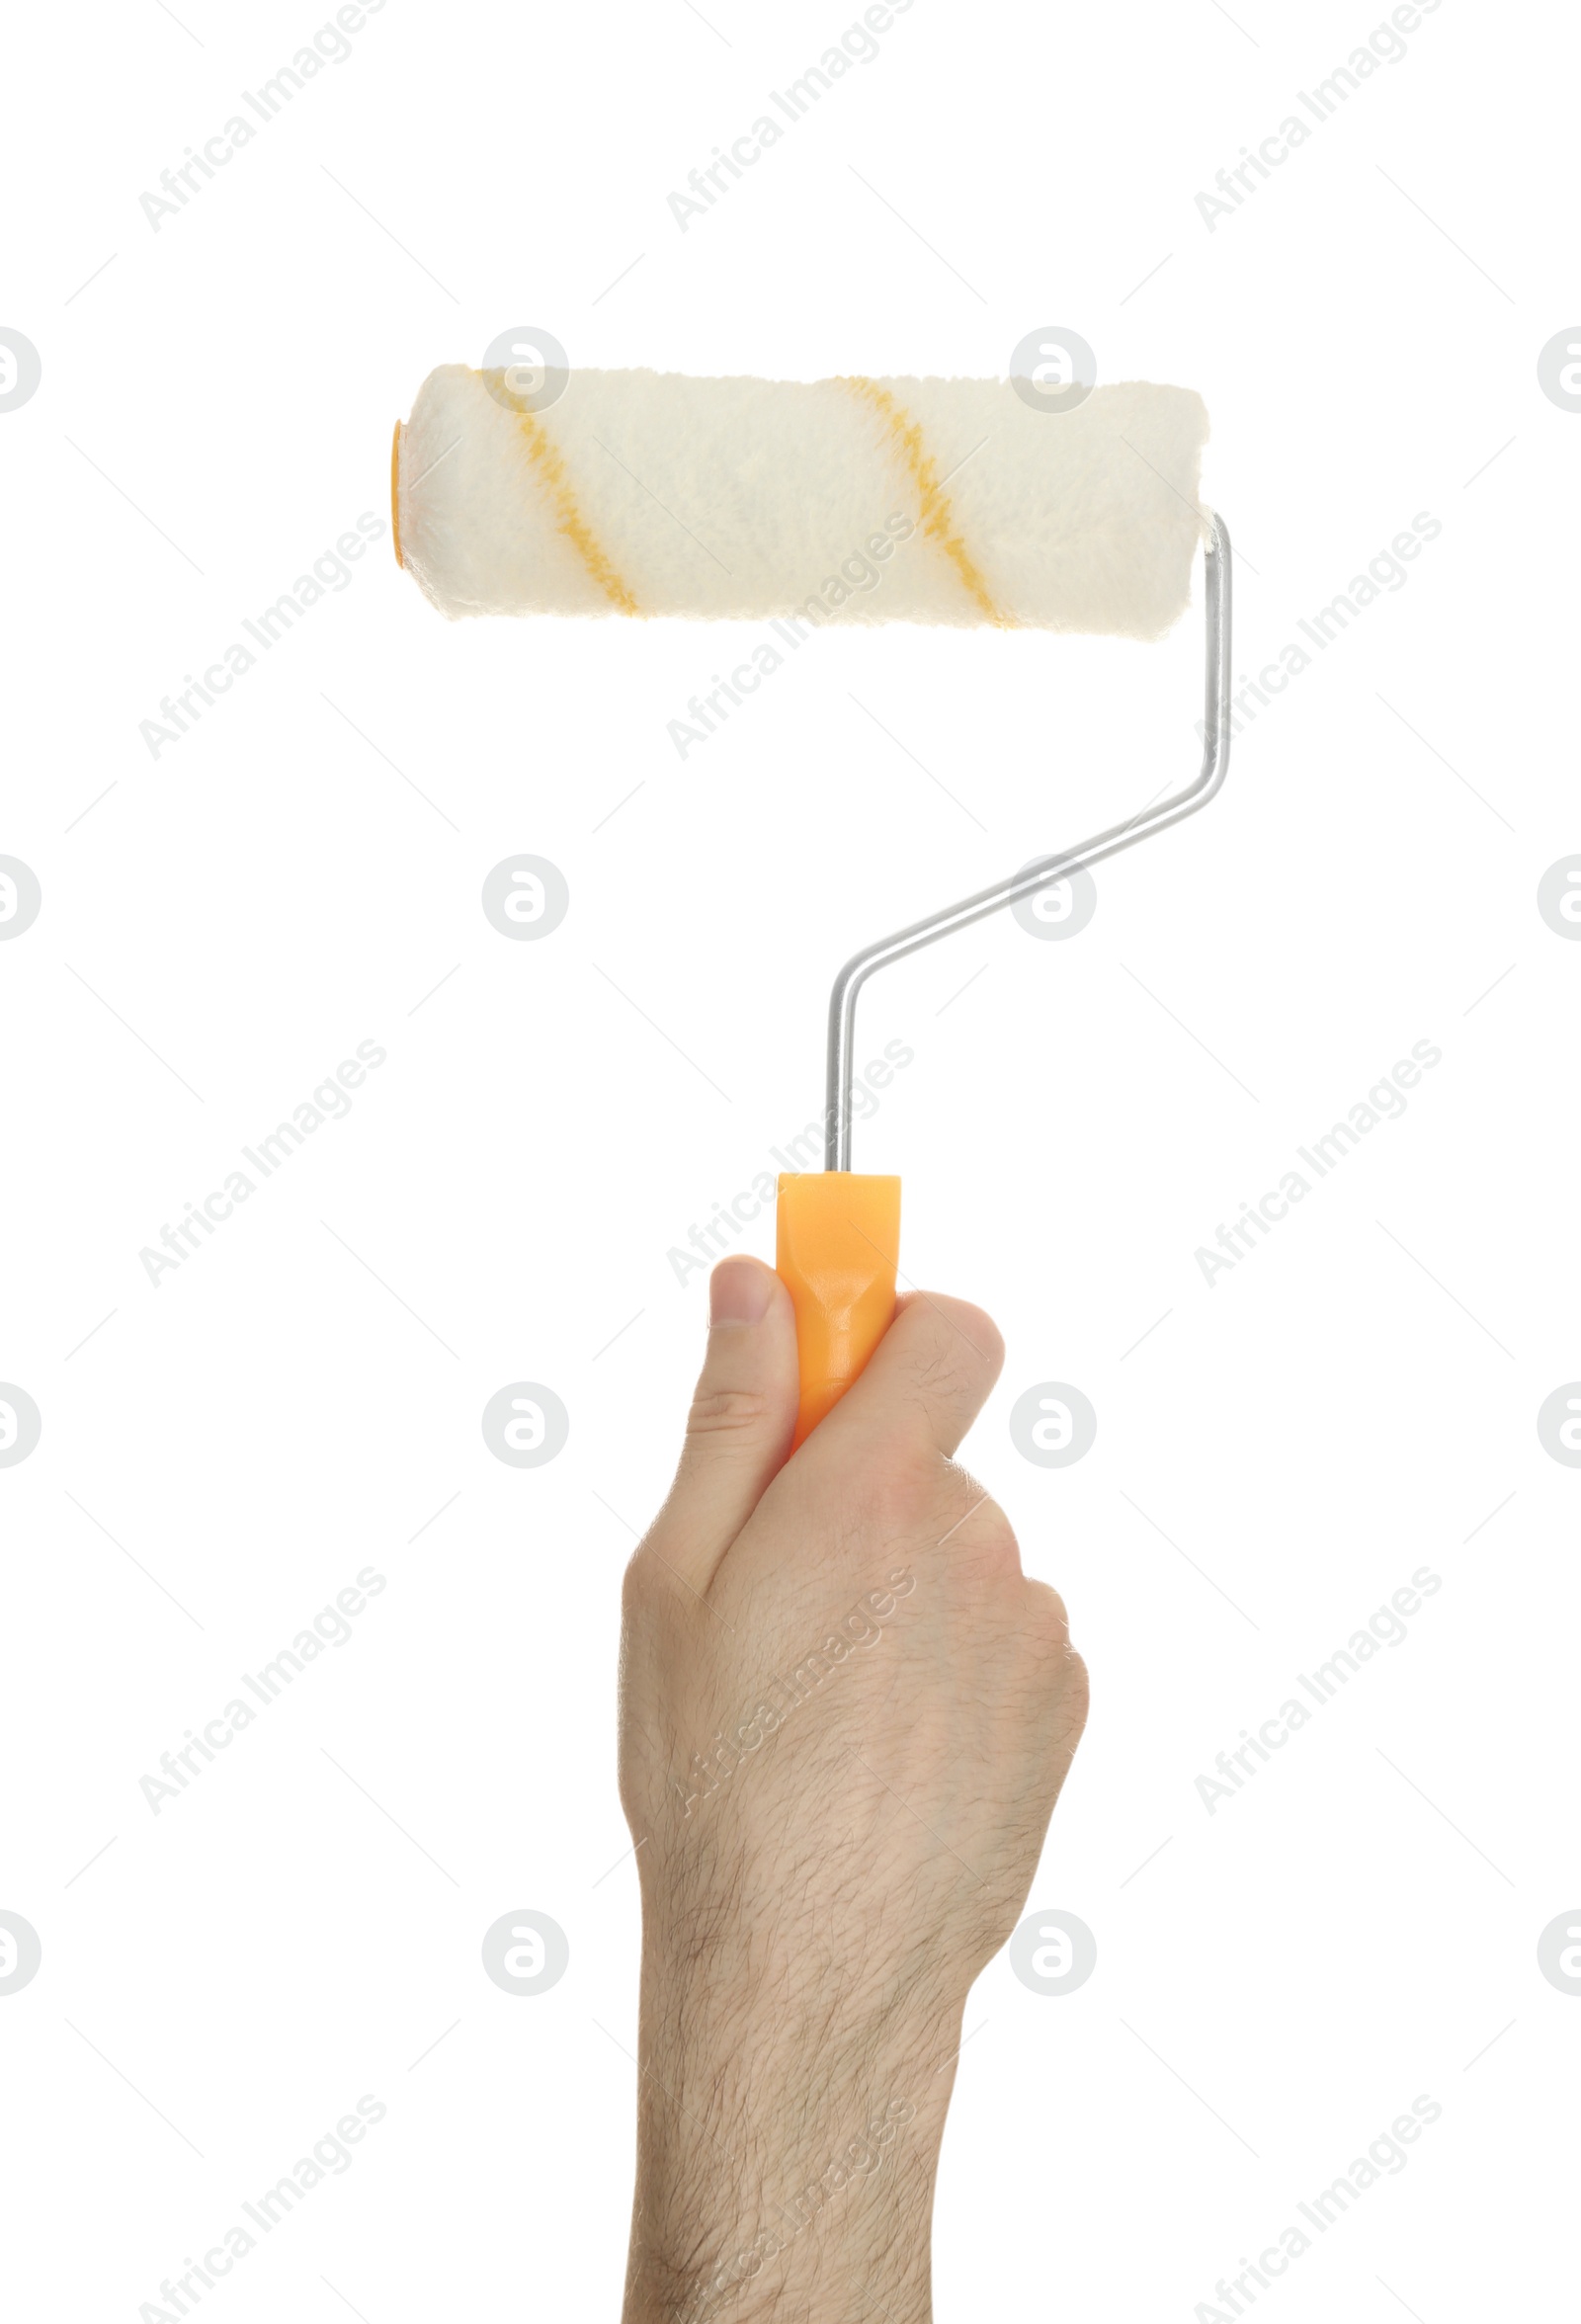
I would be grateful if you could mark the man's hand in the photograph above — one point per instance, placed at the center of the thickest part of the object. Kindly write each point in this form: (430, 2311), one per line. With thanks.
(845, 1717)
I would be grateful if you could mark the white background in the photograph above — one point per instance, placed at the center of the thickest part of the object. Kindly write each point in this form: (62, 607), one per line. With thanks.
(222, 925)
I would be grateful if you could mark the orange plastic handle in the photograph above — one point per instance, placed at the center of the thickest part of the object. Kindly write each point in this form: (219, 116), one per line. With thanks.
(838, 1245)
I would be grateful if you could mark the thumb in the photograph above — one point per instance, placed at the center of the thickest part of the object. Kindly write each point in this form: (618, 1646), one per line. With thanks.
(739, 1429)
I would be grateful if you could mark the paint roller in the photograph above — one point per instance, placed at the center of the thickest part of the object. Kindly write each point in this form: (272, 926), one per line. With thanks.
(526, 490)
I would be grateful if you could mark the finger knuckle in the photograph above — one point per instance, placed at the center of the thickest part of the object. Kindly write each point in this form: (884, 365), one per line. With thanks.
(727, 1412)
(1075, 1695)
(637, 1585)
(1050, 1617)
(1059, 1667)
(981, 1333)
(951, 1372)
(964, 1335)
(989, 1543)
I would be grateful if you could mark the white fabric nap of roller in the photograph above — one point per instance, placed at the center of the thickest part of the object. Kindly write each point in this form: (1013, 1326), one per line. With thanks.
(862, 500)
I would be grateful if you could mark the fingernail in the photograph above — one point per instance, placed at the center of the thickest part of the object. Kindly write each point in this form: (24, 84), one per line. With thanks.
(738, 1292)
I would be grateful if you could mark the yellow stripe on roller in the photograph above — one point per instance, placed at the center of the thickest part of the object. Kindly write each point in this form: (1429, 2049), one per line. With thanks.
(938, 518)
(395, 494)
(551, 471)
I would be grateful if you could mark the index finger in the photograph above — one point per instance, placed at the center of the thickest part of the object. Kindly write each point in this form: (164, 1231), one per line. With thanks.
(932, 1372)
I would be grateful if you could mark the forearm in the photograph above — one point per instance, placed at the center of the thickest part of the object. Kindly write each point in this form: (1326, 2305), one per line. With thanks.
(780, 2175)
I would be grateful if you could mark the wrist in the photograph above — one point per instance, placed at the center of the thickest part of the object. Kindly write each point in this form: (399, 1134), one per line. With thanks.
(786, 2151)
